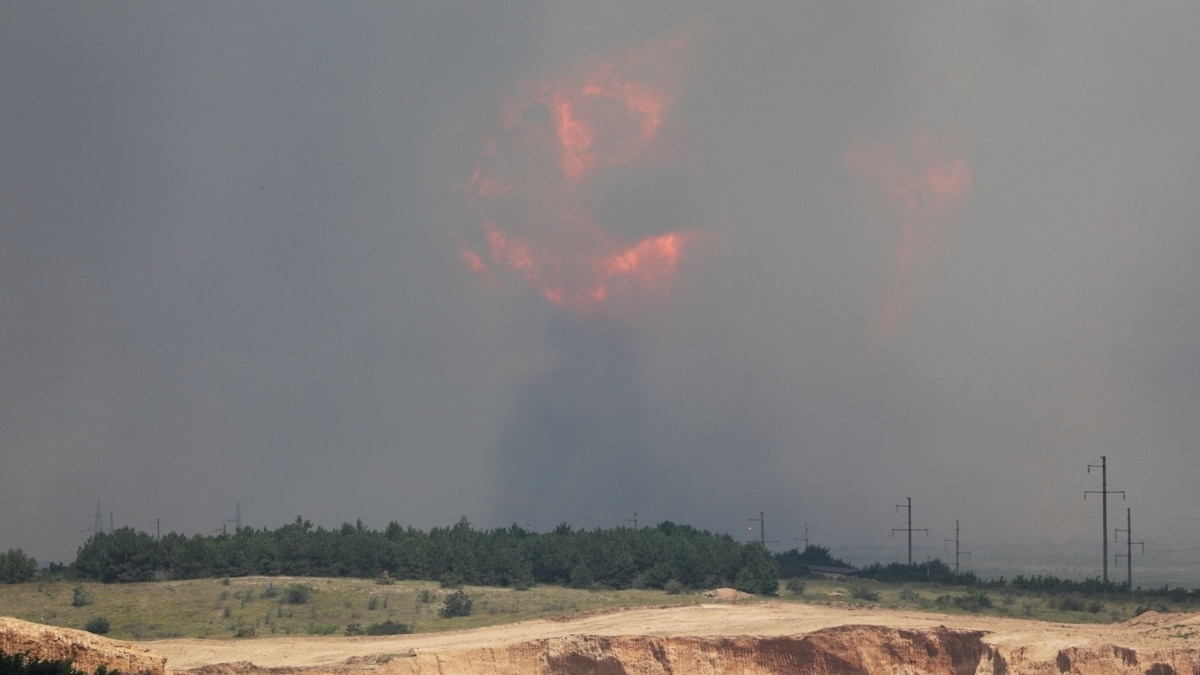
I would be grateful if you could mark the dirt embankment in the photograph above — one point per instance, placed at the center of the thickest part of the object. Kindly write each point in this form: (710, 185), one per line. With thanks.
(86, 651)
(843, 650)
(725, 638)
(745, 638)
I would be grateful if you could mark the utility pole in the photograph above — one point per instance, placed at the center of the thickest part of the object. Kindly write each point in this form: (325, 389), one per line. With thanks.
(1129, 542)
(1104, 492)
(955, 540)
(634, 519)
(908, 529)
(99, 526)
(805, 537)
(762, 529)
(111, 528)
(237, 518)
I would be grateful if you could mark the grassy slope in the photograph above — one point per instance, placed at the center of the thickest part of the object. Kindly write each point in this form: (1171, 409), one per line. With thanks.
(216, 608)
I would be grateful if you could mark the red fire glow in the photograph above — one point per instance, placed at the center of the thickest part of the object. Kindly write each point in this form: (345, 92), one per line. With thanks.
(926, 184)
(534, 175)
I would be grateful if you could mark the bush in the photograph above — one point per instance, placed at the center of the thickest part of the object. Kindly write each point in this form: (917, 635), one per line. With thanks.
(795, 587)
(270, 591)
(673, 587)
(1070, 604)
(388, 627)
(972, 602)
(19, 664)
(80, 597)
(98, 625)
(457, 603)
(863, 593)
(297, 594)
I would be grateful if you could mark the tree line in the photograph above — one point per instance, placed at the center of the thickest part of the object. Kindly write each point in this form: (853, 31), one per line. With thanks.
(618, 558)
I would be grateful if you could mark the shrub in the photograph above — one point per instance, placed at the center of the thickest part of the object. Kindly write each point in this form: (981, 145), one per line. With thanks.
(673, 587)
(98, 625)
(971, 602)
(457, 603)
(795, 587)
(245, 632)
(19, 664)
(373, 602)
(297, 594)
(80, 597)
(909, 595)
(863, 593)
(388, 627)
(1070, 604)
(270, 591)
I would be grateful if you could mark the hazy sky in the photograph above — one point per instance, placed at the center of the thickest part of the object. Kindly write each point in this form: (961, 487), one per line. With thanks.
(541, 261)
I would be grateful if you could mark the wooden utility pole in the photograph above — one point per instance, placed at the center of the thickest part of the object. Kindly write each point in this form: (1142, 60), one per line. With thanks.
(908, 529)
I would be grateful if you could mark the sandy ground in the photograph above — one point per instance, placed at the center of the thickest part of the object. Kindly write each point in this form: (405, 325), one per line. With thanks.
(1150, 631)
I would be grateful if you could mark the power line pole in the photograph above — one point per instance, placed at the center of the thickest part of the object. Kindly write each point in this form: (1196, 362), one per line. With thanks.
(762, 529)
(99, 526)
(1129, 542)
(1104, 492)
(955, 540)
(634, 519)
(908, 529)
(805, 536)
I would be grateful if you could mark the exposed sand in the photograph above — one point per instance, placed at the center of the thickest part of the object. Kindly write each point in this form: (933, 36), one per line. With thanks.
(1017, 640)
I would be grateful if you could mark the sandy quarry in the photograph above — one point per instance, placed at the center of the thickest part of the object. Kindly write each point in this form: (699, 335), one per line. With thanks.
(725, 637)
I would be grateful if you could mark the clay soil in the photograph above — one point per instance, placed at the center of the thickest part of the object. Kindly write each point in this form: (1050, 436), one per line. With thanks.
(710, 637)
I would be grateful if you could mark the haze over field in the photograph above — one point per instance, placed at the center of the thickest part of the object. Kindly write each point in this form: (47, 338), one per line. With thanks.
(536, 262)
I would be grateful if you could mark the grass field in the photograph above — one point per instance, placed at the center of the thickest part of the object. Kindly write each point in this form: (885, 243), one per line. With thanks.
(259, 606)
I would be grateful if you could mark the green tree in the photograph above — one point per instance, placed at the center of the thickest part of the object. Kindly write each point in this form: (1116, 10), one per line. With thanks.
(457, 603)
(16, 567)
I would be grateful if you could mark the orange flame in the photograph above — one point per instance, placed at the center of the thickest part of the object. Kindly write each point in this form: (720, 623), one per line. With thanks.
(926, 185)
(549, 139)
